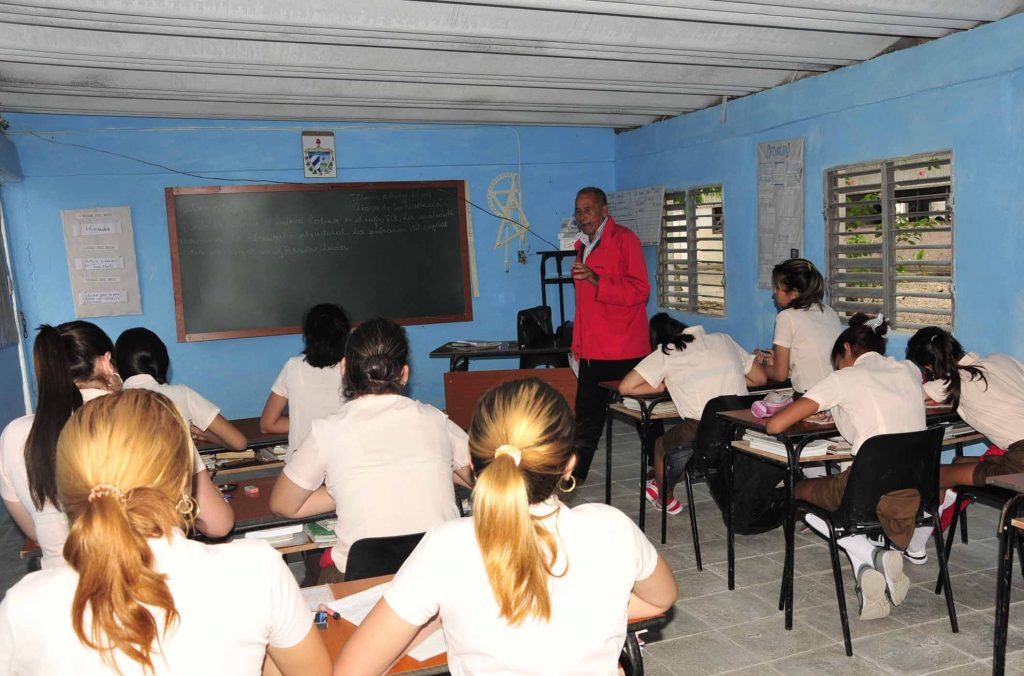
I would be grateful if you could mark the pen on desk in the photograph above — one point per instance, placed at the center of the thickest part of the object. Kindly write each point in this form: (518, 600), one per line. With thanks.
(333, 613)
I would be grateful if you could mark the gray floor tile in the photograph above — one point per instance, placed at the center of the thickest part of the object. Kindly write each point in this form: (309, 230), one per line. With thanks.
(909, 651)
(831, 660)
(728, 608)
(769, 639)
(708, 653)
(975, 635)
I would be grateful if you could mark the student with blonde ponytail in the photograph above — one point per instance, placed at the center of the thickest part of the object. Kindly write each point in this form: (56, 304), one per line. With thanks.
(526, 585)
(73, 365)
(138, 597)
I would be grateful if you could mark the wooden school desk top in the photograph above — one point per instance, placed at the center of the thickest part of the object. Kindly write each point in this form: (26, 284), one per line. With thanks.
(250, 427)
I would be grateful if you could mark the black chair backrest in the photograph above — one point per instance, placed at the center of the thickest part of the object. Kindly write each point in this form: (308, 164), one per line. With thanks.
(372, 557)
(891, 462)
(713, 433)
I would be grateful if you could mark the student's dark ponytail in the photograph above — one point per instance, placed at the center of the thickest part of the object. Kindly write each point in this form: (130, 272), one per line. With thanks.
(938, 353)
(61, 356)
(667, 331)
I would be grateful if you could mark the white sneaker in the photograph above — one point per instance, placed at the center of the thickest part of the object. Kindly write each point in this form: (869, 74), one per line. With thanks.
(916, 558)
(890, 563)
(871, 594)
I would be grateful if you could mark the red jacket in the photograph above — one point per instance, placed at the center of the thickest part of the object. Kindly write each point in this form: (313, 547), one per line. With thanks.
(611, 318)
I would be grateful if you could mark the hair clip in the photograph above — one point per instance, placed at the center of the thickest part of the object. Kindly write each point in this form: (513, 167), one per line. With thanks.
(103, 490)
(875, 322)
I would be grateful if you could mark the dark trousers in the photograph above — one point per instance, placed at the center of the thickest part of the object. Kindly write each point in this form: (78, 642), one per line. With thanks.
(592, 405)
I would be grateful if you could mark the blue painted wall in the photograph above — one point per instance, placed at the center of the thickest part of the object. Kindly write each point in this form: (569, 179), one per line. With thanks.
(964, 93)
(237, 374)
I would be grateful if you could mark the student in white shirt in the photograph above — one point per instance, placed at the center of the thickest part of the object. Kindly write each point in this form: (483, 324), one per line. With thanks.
(696, 367)
(309, 385)
(987, 392)
(385, 462)
(527, 585)
(142, 361)
(805, 328)
(868, 394)
(73, 365)
(137, 596)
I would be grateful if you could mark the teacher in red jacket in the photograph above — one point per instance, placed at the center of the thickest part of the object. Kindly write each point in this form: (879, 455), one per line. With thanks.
(610, 334)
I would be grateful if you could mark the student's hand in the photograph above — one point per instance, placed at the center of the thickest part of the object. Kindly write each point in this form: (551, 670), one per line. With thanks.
(581, 272)
(765, 357)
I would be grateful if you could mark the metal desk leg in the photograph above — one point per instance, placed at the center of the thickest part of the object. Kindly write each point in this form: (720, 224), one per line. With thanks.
(789, 527)
(730, 536)
(645, 454)
(963, 522)
(1004, 580)
(458, 363)
(608, 457)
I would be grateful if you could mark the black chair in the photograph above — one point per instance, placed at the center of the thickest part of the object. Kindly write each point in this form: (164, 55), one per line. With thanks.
(990, 496)
(373, 557)
(884, 463)
(710, 431)
(1009, 537)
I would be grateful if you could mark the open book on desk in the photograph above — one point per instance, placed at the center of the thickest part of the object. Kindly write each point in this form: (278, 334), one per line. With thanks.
(475, 344)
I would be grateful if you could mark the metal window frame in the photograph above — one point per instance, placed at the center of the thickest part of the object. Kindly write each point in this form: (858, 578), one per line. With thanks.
(692, 304)
(886, 169)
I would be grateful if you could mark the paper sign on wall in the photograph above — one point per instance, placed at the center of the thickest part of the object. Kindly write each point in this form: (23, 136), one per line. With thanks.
(101, 261)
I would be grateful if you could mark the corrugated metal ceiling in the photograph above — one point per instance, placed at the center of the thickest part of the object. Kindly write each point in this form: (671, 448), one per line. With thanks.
(566, 62)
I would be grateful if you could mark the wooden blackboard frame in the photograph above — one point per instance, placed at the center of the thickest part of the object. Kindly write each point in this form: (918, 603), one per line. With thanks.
(179, 301)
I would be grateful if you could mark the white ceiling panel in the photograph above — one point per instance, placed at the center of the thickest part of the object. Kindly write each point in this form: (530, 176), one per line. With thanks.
(565, 62)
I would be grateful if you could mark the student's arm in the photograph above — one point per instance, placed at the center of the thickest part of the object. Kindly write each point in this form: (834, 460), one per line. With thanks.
(778, 370)
(21, 517)
(292, 501)
(464, 477)
(792, 414)
(634, 383)
(273, 420)
(654, 594)
(308, 656)
(216, 518)
(756, 376)
(380, 640)
(223, 433)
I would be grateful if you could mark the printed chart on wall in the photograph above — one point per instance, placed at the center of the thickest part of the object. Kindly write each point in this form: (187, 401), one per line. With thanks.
(780, 205)
(640, 210)
(101, 261)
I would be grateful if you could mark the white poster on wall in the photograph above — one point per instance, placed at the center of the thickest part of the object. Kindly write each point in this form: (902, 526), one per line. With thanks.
(640, 210)
(101, 261)
(780, 205)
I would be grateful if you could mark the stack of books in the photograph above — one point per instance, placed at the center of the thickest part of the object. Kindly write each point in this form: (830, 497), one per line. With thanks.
(763, 442)
(322, 532)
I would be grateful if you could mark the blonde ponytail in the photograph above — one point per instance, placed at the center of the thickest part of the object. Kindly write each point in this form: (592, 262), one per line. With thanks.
(530, 422)
(123, 460)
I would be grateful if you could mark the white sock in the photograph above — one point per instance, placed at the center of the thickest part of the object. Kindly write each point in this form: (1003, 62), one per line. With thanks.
(815, 472)
(919, 541)
(948, 502)
(860, 549)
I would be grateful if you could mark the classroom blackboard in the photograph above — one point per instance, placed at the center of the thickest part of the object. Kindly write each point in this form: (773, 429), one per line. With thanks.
(249, 260)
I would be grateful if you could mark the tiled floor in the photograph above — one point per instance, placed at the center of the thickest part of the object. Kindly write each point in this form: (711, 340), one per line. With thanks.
(712, 630)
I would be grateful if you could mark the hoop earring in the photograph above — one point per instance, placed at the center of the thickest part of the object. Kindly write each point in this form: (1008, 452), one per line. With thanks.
(571, 488)
(188, 508)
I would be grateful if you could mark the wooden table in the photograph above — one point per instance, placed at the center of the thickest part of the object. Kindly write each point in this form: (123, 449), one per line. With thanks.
(338, 632)
(250, 427)
(795, 439)
(253, 513)
(460, 356)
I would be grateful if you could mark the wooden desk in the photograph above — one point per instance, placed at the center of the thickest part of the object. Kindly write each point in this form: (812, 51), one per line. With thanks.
(250, 427)
(795, 439)
(462, 389)
(253, 513)
(338, 632)
(460, 356)
(1014, 482)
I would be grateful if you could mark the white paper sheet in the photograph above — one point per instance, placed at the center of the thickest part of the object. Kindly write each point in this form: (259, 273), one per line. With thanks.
(356, 607)
(314, 596)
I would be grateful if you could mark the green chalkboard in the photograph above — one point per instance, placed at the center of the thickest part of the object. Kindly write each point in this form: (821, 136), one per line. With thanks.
(249, 260)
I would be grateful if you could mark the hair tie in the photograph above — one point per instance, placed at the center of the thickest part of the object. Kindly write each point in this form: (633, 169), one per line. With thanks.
(103, 490)
(511, 451)
(876, 322)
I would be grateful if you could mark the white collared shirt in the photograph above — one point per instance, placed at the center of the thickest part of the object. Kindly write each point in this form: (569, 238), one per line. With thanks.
(711, 366)
(311, 392)
(588, 243)
(877, 395)
(233, 600)
(809, 333)
(996, 407)
(602, 555)
(387, 461)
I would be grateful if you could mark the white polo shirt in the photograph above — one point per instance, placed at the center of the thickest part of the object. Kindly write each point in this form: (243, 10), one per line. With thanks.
(192, 406)
(233, 599)
(387, 461)
(809, 334)
(877, 395)
(711, 366)
(311, 393)
(50, 523)
(995, 408)
(601, 555)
